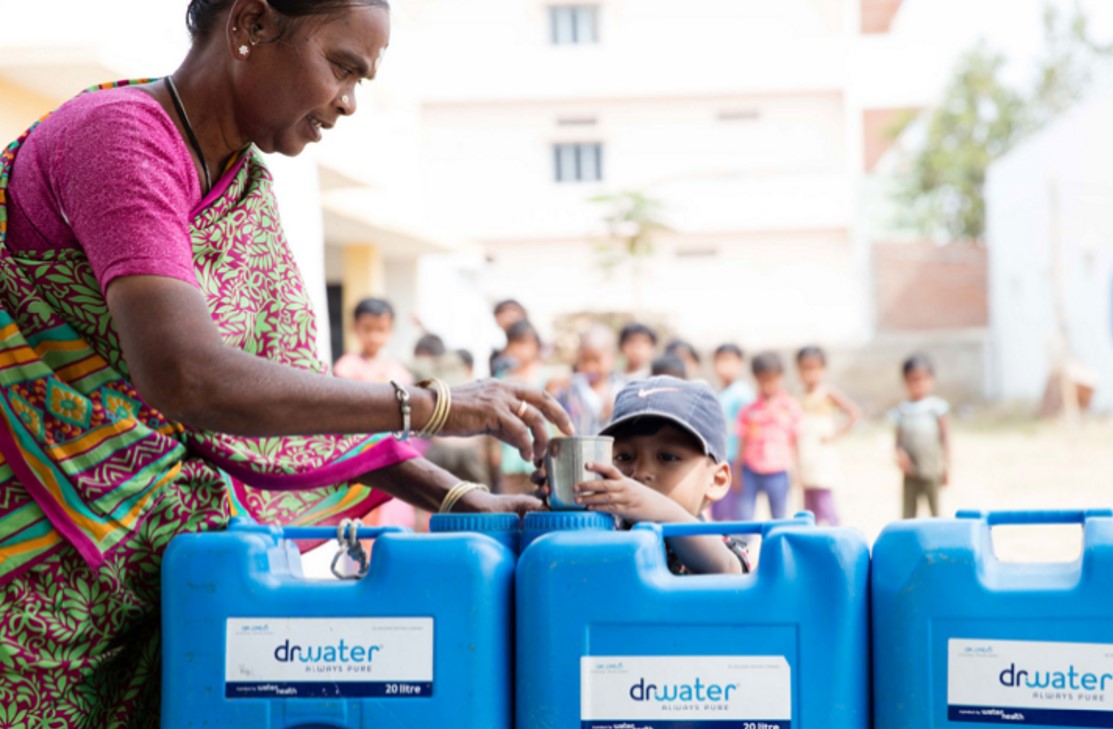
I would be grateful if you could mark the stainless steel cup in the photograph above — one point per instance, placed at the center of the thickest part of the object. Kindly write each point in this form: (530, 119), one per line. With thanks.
(564, 464)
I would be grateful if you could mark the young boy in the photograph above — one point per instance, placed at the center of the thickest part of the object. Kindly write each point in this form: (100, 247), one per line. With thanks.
(373, 326)
(923, 437)
(669, 464)
(768, 429)
(637, 343)
(730, 364)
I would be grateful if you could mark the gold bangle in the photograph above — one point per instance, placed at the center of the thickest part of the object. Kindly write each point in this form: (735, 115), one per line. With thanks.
(458, 492)
(441, 408)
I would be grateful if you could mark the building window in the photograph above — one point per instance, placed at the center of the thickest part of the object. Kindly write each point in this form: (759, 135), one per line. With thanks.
(578, 162)
(574, 24)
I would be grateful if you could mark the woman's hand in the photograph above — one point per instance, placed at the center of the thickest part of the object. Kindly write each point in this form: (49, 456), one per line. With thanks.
(516, 414)
(616, 494)
(482, 502)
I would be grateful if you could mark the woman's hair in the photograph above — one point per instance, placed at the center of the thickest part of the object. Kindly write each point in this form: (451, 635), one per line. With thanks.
(430, 345)
(811, 352)
(201, 16)
(375, 308)
(669, 364)
(917, 362)
(523, 331)
(677, 346)
(767, 362)
(633, 330)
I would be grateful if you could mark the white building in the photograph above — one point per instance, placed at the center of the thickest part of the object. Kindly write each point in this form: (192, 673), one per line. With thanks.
(1050, 237)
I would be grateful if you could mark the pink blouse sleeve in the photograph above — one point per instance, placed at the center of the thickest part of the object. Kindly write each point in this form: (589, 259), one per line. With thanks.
(126, 186)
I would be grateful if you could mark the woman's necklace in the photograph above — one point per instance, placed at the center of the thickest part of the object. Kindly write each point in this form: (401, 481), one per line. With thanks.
(189, 132)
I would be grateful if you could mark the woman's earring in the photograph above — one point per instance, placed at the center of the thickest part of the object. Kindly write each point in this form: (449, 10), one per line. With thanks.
(244, 50)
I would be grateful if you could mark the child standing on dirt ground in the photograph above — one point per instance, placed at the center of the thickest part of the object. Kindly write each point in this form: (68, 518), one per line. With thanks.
(923, 437)
(730, 369)
(820, 468)
(768, 428)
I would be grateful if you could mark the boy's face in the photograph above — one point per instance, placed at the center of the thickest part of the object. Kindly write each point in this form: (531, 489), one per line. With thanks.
(670, 463)
(638, 351)
(595, 364)
(769, 383)
(373, 332)
(812, 371)
(728, 368)
(920, 383)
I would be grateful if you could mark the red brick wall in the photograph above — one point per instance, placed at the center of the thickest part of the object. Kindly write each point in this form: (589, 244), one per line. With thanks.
(877, 15)
(922, 286)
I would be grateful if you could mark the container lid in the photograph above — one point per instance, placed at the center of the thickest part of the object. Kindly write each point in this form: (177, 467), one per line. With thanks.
(554, 521)
(442, 523)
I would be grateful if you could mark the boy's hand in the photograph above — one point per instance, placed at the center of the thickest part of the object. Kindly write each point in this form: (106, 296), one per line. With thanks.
(616, 494)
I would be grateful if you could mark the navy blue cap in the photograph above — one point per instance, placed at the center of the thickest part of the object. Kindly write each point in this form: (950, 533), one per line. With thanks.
(691, 406)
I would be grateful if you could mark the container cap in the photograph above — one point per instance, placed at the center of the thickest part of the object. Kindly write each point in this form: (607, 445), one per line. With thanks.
(443, 523)
(555, 521)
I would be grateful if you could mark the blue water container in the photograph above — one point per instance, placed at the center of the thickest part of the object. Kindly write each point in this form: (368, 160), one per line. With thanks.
(423, 640)
(961, 639)
(609, 638)
(539, 523)
(503, 528)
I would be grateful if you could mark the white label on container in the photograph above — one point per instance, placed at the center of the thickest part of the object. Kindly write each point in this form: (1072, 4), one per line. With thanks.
(329, 657)
(664, 692)
(1029, 682)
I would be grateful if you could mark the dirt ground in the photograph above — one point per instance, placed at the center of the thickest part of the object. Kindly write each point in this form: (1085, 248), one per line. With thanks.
(997, 465)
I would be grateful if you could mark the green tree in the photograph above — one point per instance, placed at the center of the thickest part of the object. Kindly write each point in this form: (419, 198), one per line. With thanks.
(981, 118)
(632, 220)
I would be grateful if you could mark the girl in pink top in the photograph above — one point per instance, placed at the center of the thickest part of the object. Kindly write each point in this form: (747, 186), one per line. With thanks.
(768, 428)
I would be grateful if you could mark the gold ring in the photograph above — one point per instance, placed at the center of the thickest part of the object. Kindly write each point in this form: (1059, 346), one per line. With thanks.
(522, 409)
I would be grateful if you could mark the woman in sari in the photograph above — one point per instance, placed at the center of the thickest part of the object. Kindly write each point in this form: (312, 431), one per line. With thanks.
(157, 366)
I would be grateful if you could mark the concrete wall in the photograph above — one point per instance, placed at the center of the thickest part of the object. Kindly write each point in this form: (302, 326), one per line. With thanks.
(1050, 237)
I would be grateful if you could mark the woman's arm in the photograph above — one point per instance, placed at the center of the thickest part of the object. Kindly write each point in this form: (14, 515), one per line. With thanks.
(425, 485)
(181, 366)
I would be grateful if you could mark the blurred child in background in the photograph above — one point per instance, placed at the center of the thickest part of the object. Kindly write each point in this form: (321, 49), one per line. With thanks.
(768, 429)
(687, 354)
(820, 469)
(730, 369)
(923, 437)
(637, 343)
(508, 312)
(668, 365)
(523, 365)
(373, 325)
(590, 394)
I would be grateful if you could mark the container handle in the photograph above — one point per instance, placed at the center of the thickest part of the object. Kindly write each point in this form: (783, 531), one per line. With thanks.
(329, 533)
(348, 535)
(724, 528)
(1037, 516)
